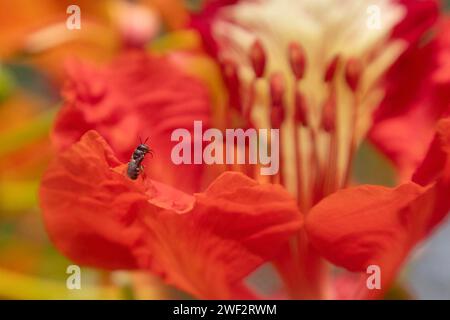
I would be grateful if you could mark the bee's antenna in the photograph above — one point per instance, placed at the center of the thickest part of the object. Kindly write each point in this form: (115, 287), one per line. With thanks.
(146, 140)
(140, 140)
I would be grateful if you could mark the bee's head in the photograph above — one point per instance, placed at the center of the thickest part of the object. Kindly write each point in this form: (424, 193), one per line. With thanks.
(143, 147)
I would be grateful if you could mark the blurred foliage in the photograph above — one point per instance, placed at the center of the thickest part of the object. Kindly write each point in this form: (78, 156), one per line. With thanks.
(398, 292)
(6, 83)
(194, 5)
(371, 167)
(33, 81)
(18, 195)
(35, 129)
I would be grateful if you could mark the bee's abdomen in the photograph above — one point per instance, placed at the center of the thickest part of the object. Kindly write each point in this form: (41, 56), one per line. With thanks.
(133, 170)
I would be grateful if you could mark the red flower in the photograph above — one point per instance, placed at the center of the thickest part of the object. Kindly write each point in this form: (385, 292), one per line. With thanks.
(204, 243)
(135, 95)
(418, 95)
(237, 224)
(314, 102)
(99, 217)
(373, 225)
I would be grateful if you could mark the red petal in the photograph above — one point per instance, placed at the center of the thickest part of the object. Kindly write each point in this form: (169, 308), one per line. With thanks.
(236, 225)
(366, 225)
(136, 95)
(204, 244)
(420, 17)
(84, 204)
(202, 22)
(371, 225)
(356, 227)
(416, 97)
(435, 161)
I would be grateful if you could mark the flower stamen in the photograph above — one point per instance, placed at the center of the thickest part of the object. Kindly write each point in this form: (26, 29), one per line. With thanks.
(258, 58)
(277, 111)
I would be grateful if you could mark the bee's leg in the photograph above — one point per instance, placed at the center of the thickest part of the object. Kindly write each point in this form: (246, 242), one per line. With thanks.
(151, 152)
(144, 176)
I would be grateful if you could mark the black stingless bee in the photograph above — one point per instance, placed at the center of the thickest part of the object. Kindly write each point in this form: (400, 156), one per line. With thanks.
(135, 165)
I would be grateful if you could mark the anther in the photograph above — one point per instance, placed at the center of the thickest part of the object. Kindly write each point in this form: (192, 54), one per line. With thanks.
(301, 109)
(352, 73)
(329, 115)
(331, 69)
(276, 93)
(231, 77)
(297, 59)
(258, 58)
(230, 70)
(276, 88)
